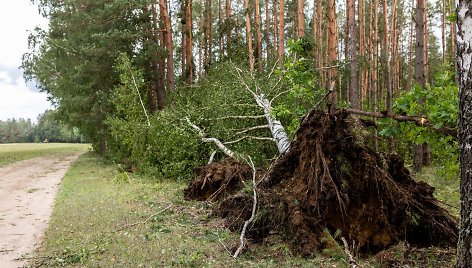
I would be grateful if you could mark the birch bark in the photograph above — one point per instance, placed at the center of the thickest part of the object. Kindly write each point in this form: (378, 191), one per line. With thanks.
(464, 72)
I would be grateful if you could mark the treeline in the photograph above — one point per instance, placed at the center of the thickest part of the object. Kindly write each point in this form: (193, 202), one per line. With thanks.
(47, 129)
(139, 67)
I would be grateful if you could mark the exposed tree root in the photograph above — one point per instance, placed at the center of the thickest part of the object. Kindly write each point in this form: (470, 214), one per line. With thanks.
(330, 179)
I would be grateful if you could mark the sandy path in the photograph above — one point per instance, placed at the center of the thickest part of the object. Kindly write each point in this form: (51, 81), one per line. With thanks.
(27, 192)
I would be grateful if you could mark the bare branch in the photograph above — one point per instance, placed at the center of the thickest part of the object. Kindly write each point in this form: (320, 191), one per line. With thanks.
(212, 156)
(241, 117)
(246, 130)
(217, 142)
(352, 261)
(419, 121)
(250, 137)
(254, 209)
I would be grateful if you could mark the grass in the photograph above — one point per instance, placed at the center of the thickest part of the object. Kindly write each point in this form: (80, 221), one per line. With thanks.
(104, 218)
(13, 152)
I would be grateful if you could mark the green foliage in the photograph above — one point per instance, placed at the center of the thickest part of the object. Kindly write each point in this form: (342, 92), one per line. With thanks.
(439, 104)
(170, 147)
(300, 80)
(73, 59)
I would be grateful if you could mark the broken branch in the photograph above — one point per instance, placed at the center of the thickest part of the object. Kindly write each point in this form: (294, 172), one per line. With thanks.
(419, 121)
(254, 209)
(216, 141)
(252, 138)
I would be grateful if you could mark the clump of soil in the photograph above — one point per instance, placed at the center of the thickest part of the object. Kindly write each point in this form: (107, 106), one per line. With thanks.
(217, 180)
(331, 179)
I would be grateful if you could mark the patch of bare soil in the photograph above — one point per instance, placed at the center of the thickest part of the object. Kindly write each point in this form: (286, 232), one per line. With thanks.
(27, 192)
(331, 179)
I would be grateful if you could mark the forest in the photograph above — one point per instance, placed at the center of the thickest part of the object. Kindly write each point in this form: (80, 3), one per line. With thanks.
(47, 129)
(322, 92)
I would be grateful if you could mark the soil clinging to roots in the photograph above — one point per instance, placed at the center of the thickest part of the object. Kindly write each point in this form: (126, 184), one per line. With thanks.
(330, 179)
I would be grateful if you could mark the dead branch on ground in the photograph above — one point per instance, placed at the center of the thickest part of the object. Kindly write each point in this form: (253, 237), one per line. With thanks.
(253, 214)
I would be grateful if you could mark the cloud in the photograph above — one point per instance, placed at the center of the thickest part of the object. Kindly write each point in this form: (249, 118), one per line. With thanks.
(17, 101)
(17, 17)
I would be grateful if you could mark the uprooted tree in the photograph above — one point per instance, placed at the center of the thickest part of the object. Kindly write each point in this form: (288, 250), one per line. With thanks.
(328, 179)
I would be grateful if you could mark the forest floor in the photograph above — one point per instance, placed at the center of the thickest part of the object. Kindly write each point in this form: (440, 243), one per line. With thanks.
(27, 192)
(106, 218)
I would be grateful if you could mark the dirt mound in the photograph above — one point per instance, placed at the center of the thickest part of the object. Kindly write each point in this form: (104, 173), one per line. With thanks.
(330, 179)
(217, 180)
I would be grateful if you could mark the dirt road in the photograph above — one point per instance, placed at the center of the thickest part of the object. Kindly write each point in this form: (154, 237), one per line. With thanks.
(27, 192)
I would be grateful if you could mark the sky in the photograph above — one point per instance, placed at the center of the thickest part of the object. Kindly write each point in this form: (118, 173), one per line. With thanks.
(17, 99)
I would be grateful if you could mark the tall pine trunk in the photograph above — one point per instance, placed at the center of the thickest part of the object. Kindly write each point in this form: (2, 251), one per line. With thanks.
(249, 35)
(332, 46)
(258, 34)
(300, 18)
(353, 98)
(281, 33)
(420, 75)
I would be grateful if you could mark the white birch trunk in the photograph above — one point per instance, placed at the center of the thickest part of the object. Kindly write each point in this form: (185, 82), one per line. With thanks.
(276, 128)
(464, 72)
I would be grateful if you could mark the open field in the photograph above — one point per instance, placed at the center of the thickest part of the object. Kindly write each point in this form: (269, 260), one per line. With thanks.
(105, 218)
(13, 152)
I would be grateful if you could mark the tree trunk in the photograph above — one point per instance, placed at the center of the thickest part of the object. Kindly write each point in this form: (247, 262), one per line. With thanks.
(249, 35)
(332, 45)
(420, 75)
(464, 71)
(220, 32)
(300, 19)
(353, 54)
(190, 65)
(267, 31)
(210, 33)
(183, 51)
(258, 34)
(375, 44)
(168, 44)
(159, 95)
(228, 27)
(281, 33)
(443, 31)
(276, 25)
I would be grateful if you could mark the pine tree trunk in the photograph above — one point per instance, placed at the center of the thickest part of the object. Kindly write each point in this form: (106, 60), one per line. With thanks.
(443, 31)
(267, 31)
(275, 25)
(464, 71)
(353, 96)
(183, 49)
(375, 44)
(300, 18)
(168, 44)
(281, 33)
(258, 34)
(189, 44)
(220, 32)
(332, 45)
(420, 75)
(249, 36)
(228, 27)
(210, 33)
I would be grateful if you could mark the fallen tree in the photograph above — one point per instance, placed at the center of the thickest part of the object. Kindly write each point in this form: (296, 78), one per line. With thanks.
(329, 180)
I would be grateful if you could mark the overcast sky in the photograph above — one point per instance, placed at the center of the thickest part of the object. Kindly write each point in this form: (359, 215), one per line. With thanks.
(17, 100)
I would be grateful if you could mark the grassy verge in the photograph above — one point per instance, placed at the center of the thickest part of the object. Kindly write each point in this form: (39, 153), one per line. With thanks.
(104, 218)
(10, 153)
